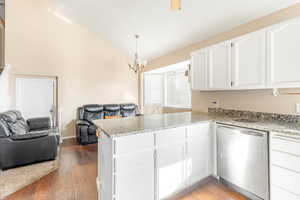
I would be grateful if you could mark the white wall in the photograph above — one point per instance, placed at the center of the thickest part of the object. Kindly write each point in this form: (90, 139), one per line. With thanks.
(89, 69)
(4, 89)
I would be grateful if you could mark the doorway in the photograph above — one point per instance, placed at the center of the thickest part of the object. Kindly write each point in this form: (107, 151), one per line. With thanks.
(36, 96)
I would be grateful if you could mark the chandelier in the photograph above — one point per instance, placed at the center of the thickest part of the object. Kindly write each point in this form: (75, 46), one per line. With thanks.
(175, 5)
(138, 64)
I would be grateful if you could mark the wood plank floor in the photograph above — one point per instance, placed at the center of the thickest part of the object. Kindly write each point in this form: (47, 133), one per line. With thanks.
(76, 180)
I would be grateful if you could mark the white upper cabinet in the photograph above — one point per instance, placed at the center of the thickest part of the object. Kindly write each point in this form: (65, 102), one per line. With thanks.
(249, 61)
(199, 70)
(283, 47)
(268, 58)
(219, 64)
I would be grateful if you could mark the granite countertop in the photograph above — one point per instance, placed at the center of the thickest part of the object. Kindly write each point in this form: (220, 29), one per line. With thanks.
(147, 123)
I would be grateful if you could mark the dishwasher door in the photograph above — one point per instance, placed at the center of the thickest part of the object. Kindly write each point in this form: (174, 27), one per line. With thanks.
(242, 159)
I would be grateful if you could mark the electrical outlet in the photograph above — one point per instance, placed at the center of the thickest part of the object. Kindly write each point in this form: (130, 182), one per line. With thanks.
(215, 103)
(297, 107)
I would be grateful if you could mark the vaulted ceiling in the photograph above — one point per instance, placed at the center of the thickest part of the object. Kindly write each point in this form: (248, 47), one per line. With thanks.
(161, 29)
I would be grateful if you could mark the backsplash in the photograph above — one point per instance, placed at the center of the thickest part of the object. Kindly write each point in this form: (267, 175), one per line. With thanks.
(259, 116)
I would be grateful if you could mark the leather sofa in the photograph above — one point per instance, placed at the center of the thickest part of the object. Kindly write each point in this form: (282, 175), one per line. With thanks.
(25, 142)
(86, 130)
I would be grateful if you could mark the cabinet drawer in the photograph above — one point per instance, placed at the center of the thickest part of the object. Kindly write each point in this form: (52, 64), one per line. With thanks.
(280, 194)
(285, 179)
(132, 143)
(286, 160)
(286, 144)
(171, 136)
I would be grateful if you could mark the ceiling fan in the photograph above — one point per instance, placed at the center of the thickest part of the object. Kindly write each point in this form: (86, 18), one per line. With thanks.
(175, 5)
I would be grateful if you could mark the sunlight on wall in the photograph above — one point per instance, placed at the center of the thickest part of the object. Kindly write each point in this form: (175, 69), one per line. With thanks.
(4, 89)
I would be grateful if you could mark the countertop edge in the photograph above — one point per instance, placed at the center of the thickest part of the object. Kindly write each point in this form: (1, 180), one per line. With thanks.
(118, 135)
(289, 129)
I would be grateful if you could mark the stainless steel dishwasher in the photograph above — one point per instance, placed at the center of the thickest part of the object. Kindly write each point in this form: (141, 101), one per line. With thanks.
(243, 160)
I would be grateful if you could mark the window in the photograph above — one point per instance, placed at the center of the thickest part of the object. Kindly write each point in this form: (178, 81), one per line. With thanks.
(154, 90)
(168, 87)
(178, 91)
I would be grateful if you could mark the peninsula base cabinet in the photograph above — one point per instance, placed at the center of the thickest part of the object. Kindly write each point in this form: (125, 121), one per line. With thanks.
(199, 154)
(284, 167)
(154, 165)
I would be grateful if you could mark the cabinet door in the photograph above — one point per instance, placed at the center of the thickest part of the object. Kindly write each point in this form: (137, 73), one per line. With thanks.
(220, 66)
(283, 54)
(249, 61)
(198, 153)
(134, 176)
(170, 170)
(199, 70)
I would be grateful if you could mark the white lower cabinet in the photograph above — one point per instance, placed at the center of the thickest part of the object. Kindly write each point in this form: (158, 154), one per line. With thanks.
(284, 167)
(183, 159)
(170, 170)
(134, 176)
(198, 154)
(281, 194)
(154, 166)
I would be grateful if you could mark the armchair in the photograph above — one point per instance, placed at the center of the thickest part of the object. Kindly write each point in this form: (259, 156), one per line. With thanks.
(25, 142)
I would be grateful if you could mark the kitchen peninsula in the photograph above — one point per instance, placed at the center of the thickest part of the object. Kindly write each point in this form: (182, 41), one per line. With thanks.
(158, 156)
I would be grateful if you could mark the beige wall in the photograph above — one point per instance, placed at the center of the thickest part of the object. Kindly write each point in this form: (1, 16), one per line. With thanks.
(89, 69)
(246, 100)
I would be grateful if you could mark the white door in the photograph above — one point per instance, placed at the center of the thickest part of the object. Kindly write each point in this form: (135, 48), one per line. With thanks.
(220, 66)
(35, 97)
(249, 61)
(170, 170)
(283, 47)
(134, 177)
(199, 70)
(198, 153)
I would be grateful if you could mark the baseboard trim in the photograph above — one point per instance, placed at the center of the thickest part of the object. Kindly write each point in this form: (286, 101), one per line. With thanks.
(191, 188)
(68, 137)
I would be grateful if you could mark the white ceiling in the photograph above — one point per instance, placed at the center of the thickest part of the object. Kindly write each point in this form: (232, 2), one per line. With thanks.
(161, 29)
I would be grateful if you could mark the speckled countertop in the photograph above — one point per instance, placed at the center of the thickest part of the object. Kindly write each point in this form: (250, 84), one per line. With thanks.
(147, 123)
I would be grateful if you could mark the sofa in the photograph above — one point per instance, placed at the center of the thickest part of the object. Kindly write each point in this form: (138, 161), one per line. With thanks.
(86, 130)
(25, 142)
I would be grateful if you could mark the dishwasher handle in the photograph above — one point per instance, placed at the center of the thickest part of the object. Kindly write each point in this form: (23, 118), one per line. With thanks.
(244, 130)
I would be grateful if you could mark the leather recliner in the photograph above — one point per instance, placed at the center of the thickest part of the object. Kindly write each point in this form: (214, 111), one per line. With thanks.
(25, 142)
(86, 130)
(111, 111)
(129, 110)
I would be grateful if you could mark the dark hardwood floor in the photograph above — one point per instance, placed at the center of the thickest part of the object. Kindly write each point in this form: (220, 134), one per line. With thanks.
(76, 180)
